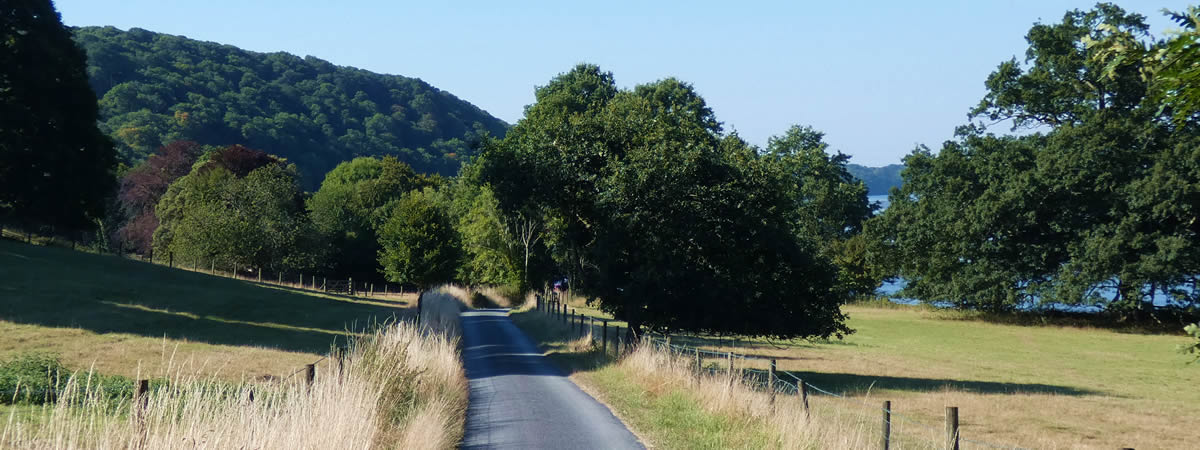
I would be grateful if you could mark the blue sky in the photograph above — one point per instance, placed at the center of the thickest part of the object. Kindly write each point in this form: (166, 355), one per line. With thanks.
(876, 77)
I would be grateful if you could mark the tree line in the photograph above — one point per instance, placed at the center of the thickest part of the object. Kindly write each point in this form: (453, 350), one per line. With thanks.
(652, 210)
(1095, 205)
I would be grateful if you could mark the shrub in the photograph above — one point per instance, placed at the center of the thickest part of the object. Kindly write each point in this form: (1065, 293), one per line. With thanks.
(38, 377)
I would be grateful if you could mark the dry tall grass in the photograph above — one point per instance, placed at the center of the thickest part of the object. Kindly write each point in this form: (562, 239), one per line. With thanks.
(831, 423)
(398, 387)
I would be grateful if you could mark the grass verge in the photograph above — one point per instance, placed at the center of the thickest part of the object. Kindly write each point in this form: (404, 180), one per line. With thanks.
(124, 317)
(658, 397)
(399, 386)
(1020, 385)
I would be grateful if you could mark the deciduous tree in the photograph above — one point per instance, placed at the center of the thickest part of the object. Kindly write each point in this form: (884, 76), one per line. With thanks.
(56, 167)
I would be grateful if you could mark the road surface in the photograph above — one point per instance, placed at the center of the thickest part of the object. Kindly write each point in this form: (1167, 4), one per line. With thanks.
(519, 400)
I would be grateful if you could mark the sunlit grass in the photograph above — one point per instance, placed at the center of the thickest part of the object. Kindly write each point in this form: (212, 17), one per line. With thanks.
(122, 317)
(398, 386)
(1026, 385)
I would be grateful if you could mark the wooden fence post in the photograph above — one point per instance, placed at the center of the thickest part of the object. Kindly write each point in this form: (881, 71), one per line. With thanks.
(729, 355)
(592, 328)
(141, 396)
(885, 438)
(951, 428)
(699, 365)
(170, 256)
(771, 383)
(604, 338)
(310, 374)
(616, 333)
(803, 395)
(341, 360)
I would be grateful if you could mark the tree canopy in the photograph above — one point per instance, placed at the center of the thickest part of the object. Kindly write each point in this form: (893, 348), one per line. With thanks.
(355, 200)
(1096, 208)
(668, 222)
(157, 88)
(236, 206)
(56, 167)
(419, 244)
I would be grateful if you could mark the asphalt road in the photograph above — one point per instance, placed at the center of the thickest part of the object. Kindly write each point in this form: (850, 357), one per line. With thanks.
(519, 400)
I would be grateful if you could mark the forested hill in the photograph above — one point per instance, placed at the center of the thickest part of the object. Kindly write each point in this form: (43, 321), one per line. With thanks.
(878, 179)
(156, 88)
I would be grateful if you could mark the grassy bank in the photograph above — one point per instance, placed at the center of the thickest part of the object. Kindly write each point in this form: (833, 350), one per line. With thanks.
(396, 387)
(659, 396)
(125, 317)
(1025, 385)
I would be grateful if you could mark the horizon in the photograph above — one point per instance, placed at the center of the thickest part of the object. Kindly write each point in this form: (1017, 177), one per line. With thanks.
(492, 61)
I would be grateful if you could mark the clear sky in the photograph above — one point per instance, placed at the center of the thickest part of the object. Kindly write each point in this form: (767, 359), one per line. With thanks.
(876, 77)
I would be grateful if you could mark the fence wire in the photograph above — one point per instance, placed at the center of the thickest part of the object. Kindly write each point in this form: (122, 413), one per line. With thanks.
(755, 379)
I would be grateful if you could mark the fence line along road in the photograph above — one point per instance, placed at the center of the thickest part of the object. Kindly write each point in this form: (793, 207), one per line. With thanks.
(771, 380)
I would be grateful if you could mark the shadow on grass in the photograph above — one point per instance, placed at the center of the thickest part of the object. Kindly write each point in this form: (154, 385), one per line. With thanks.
(857, 385)
(753, 348)
(560, 343)
(55, 287)
(554, 338)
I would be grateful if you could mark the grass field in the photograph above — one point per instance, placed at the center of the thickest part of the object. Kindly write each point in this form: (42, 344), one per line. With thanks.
(124, 317)
(1028, 386)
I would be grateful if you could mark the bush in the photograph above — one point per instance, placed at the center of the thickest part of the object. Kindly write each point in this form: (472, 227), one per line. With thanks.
(30, 378)
(37, 377)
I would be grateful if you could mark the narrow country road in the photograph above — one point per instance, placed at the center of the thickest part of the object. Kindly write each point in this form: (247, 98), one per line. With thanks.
(519, 400)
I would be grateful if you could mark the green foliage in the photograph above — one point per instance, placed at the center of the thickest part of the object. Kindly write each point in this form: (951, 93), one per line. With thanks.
(31, 378)
(1098, 210)
(1192, 330)
(36, 378)
(157, 88)
(255, 220)
(55, 165)
(831, 203)
(354, 201)
(491, 254)
(649, 208)
(419, 244)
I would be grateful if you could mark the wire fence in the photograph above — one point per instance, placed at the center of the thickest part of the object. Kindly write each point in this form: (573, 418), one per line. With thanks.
(787, 383)
(34, 395)
(772, 381)
(297, 279)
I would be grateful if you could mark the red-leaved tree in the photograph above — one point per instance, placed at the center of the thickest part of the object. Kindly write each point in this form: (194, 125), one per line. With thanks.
(144, 185)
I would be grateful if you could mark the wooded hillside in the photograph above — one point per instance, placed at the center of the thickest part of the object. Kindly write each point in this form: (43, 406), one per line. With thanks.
(157, 88)
(879, 179)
